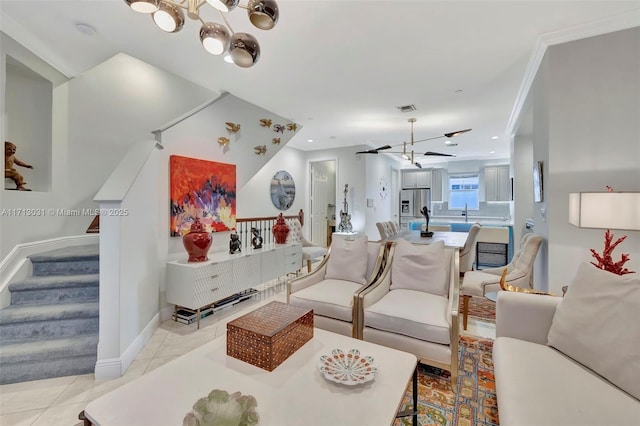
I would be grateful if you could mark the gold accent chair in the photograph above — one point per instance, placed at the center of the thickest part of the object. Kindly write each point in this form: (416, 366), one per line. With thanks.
(416, 319)
(519, 274)
(331, 296)
(310, 251)
(468, 252)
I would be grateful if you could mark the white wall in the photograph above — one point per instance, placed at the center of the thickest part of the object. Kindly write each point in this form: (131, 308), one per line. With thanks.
(96, 118)
(587, 131)
(136, 246)
(378, 167)
(28, 101)
(196, 137)
(350, 170)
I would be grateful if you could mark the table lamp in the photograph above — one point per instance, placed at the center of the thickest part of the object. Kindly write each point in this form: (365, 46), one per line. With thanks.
(606, 210)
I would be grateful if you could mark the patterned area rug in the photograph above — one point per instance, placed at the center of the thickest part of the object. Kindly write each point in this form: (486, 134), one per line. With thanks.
(480, 308)
(474, 404)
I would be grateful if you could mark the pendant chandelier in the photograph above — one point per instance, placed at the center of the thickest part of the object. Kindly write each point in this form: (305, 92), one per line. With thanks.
(240, 48)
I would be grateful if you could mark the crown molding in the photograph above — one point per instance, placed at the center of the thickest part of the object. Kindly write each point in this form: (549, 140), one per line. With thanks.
(610, 24)
(32, 43)
(618, 22)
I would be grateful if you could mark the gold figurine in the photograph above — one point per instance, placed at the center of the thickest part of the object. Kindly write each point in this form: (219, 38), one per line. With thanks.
(292, 126)
(265, 122)
(260, 149)
(232, 127)
(276, 141)
(222, 141)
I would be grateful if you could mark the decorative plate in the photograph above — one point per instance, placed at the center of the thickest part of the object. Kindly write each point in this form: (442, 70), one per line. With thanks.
(349, 369)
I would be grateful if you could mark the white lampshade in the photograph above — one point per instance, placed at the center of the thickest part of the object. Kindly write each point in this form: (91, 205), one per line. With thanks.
(605, 210)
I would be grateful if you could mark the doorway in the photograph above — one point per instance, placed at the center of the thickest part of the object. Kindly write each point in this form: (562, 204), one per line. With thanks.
(323, 201)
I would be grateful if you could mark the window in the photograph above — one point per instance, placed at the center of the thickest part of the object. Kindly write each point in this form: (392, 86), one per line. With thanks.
(463, 190)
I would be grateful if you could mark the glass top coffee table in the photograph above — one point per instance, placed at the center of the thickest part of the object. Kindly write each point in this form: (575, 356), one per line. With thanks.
(295, 393)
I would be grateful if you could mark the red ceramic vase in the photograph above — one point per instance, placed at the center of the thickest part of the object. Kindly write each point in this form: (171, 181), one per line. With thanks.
(197, 242)
(280, 230)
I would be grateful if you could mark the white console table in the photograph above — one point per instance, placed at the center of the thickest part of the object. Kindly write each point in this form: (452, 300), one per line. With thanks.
(197, 285)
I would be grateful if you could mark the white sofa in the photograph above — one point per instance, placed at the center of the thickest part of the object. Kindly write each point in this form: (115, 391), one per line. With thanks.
(538, 385)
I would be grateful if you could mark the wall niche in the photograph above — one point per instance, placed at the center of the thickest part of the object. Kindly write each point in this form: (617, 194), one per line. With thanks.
(28, 101)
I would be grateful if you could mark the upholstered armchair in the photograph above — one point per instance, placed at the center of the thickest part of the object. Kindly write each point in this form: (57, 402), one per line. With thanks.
(468, 252)
(310, 251)
(386, 230)
(331, 289)
(413, 305)
(519, 274)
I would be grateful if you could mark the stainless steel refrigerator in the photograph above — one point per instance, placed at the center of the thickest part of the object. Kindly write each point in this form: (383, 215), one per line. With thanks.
(411, 202)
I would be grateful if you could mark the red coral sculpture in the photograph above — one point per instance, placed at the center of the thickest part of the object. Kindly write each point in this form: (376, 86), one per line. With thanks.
(605, 261)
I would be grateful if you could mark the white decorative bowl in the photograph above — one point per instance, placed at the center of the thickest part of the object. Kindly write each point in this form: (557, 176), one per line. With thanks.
(348, 369)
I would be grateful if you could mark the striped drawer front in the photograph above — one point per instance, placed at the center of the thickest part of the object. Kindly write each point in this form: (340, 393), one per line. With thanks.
(272, 264)
(292, 258)
(213, 282)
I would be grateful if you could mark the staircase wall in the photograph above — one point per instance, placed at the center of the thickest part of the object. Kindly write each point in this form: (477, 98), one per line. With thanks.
(135, 242)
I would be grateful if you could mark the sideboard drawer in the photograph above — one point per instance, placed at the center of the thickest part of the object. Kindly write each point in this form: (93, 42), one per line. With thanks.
(292, 258)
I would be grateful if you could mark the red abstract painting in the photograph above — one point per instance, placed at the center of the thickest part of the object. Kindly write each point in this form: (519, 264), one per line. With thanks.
(204, 189)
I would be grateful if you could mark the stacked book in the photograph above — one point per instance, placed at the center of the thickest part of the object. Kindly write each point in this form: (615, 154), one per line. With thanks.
(188, 317)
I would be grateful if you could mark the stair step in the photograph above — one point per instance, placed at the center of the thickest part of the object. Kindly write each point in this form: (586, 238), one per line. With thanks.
(46, 369)
(55, 289)
(48, 349)
(73, 260)
(20, 323)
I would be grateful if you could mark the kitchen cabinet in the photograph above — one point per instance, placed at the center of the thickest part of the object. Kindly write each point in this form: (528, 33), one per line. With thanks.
(436, 185)
(416, 179)
(497, 183)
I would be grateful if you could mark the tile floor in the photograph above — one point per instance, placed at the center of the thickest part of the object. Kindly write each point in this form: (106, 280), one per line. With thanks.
(53, 402)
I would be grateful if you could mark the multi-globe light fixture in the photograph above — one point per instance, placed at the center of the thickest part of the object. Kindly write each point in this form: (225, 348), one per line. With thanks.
(240, 48)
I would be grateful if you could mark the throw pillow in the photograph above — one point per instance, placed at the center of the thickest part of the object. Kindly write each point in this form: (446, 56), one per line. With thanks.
(419, 267)
(596, 324)
(348, 260)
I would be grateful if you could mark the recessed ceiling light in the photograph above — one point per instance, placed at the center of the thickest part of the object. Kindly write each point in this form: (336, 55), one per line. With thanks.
(494, 137)
(85, 29)
(492, 152)
(309, 140)
(448, 142)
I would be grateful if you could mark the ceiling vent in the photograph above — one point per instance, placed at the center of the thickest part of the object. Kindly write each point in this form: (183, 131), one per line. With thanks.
(407, 108)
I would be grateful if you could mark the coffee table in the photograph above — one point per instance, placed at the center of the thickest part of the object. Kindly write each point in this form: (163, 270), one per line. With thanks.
(295, 393)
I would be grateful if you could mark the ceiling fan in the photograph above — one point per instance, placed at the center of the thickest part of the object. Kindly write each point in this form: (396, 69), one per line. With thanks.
(404, 153)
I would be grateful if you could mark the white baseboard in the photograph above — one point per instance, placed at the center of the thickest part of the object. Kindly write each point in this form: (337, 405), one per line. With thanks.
(114, 368)
(138, 344)
(108, 369)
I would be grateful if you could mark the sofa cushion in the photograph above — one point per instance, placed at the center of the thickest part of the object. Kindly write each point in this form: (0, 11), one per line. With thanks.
(329, 298)
(419, 267)
(348, 260)
(597, 325)
(412, 313)
(537, 385)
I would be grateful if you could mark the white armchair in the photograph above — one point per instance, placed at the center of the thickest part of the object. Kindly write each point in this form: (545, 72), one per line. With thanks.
(468, 252)
(332, 288)
(413, 305)
(310, 251)
(519, 274)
